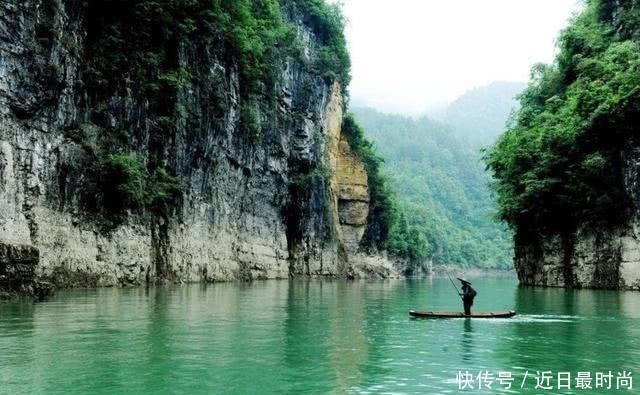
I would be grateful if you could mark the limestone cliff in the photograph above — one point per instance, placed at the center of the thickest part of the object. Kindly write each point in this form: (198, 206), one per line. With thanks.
(246, 190)
(592, 256)
(349, 186)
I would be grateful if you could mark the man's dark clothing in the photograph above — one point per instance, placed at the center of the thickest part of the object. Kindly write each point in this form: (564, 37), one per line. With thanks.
(468, 294)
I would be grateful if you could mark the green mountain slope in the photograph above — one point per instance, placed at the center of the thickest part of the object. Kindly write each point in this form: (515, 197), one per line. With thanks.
(479, 115)
(442, 189)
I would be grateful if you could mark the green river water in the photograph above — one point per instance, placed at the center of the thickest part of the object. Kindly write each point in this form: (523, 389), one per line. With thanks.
(312, 337)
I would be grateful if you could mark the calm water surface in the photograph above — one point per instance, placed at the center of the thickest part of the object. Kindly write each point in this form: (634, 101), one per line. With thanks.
(308, 337)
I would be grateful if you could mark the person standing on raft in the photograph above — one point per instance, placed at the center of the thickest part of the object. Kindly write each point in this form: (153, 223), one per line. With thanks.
(467, 295)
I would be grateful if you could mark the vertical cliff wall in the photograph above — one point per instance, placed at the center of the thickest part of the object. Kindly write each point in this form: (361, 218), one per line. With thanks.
(115, 182)
(590, 256)
(349, 185)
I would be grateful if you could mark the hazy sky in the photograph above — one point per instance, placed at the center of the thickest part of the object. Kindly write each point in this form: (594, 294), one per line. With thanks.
(409, 55)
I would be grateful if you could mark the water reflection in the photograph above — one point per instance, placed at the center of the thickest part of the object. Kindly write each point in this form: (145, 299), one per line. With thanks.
(334, 331)
(467, 342)
(305, 337)
(571, 331)
(347, 342)
(17, 337)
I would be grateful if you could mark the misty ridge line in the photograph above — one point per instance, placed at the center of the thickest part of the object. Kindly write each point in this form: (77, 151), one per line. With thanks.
(439, 179)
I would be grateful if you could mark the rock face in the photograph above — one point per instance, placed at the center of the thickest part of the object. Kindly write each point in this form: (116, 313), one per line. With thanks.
(246, 209)
(591, 257)
(17, 269)
(349, 187)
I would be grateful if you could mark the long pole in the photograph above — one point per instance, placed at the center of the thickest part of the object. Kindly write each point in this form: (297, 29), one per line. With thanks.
(454, 285)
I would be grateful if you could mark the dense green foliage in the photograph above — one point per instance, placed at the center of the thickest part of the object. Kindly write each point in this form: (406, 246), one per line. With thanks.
(129, 183)
(560, 163)
(444, 206)
(139, 38)
(317, 175)
(327, 22)
(135, 49)
(383, 213)
(126, 174)
(387, 225)
(257, 36)
(408, 241)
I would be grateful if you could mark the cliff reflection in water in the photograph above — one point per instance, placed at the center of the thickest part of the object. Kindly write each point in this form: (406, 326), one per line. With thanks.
(329, 334)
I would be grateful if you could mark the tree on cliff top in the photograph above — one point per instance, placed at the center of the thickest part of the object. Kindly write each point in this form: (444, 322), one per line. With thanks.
(559, 165)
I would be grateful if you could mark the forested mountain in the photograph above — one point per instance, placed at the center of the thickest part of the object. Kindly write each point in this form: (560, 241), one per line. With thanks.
(479, 115)
(441, 190)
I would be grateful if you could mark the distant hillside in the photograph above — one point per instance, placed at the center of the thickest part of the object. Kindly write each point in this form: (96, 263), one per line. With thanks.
(441, 187)
(479, 115)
